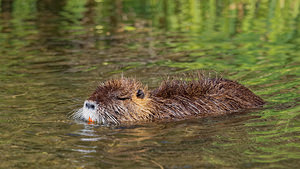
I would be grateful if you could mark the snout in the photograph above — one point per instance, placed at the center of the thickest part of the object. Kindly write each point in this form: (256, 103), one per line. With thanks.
(90, 105)
(89, 111)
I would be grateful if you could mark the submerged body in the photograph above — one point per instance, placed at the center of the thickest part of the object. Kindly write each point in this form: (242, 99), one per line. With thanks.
(126, 100)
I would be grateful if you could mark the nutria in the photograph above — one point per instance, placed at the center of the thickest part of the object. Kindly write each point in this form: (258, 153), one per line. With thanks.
(126, 100)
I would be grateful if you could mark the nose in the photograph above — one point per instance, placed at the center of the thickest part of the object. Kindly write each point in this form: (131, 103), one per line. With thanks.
(90, 105)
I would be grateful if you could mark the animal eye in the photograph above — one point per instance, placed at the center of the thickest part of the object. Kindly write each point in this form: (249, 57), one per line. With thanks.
(123, 98)
(140, 94)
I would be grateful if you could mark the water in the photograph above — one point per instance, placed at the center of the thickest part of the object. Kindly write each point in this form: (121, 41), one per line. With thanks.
(54, 53)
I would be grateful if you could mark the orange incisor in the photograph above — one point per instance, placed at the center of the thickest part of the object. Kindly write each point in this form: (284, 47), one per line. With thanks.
(90, 120)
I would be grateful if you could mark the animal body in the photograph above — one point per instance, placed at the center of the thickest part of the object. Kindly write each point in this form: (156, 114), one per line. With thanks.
(127, 100)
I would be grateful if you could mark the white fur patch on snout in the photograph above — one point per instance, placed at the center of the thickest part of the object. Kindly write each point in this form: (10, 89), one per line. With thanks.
(89, 111)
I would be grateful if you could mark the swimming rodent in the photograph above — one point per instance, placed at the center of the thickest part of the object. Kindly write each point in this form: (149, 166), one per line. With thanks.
(126, 100)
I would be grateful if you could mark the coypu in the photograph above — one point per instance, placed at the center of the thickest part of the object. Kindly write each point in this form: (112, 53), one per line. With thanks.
(126, 100)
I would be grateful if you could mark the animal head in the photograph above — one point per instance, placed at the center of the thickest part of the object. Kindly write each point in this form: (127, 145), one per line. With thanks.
(114, 101)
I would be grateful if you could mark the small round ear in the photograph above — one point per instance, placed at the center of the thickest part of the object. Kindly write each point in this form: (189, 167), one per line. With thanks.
(140, 94)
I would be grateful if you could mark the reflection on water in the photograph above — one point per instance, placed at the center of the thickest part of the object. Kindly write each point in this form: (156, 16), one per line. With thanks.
(54, 53)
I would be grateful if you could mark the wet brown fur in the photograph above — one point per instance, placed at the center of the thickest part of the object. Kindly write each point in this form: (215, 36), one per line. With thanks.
(173, 99)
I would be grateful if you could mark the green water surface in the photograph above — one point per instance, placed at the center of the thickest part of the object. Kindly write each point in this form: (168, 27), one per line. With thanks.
(54, 53)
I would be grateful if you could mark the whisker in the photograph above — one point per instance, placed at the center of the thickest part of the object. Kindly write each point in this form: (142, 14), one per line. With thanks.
(72, 112)
(111, 117)
(77, 114)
